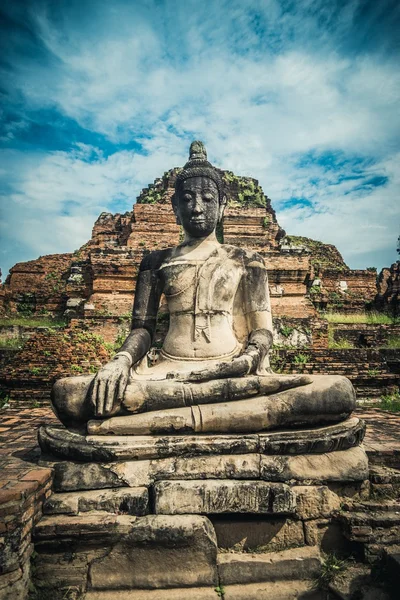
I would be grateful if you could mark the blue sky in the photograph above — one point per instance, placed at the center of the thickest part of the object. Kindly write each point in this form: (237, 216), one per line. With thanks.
(100, 97)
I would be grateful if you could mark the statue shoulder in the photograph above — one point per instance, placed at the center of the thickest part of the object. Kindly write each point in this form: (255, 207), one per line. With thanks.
(153, 260)
(247, 257)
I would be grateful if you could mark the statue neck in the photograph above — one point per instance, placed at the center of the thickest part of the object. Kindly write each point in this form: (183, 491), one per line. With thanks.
(195, 242)
(198, 247)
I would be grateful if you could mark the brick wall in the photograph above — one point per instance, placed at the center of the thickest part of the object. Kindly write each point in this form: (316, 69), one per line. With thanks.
(23, 490)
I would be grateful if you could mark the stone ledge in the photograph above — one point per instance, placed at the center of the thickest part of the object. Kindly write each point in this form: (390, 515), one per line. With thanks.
(279, 590)
(132, 501)
(62, 443)
(299, 563)
(193, 593)
(343, 466)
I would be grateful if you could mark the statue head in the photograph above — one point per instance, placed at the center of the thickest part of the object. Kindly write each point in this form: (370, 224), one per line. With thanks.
(199, 198)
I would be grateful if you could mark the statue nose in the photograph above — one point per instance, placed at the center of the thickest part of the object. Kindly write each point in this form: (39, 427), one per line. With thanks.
(198, 207)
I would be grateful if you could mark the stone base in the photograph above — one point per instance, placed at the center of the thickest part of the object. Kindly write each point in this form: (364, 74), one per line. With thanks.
(242, 515)
(102, 554)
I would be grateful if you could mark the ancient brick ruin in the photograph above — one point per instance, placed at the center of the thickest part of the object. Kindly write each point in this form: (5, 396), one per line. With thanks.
(93, 289)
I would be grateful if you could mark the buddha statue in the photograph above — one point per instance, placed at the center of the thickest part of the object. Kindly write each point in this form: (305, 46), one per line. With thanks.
(213, 372)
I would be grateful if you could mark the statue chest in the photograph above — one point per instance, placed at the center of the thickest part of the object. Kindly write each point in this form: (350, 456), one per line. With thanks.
(201, 286)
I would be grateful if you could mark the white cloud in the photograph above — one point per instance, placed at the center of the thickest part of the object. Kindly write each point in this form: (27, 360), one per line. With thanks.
(260, 102)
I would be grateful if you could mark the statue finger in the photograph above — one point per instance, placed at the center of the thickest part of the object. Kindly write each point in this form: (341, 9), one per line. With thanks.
(101, 392)
(110, 395)
(122, 383)
(93, 394)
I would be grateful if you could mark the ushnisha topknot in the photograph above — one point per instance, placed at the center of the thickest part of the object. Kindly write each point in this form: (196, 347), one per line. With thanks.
(198, 166)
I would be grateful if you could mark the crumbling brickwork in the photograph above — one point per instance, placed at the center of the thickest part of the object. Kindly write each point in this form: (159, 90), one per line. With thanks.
(94, 287)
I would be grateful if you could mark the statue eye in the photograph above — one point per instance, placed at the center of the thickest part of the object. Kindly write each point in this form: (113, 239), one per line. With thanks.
(187, 197)
(208, 197)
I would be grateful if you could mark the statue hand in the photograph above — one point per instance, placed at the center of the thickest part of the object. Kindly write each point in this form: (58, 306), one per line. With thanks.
(109, 386)
(250, 361)
(242, 365)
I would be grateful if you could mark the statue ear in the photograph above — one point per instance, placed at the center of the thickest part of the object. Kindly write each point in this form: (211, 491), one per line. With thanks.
(175, 209)
(222, 206)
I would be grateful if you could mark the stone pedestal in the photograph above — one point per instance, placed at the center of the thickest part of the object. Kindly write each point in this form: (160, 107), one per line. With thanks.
(246, 515)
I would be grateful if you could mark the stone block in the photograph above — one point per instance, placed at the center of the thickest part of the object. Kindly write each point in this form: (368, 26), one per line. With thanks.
(313, 502)
(160, 552)
(69, 476)
(96, 527)
(296, 563)
(249, 532)
(133, 501)
(343, 466)
(226, 496)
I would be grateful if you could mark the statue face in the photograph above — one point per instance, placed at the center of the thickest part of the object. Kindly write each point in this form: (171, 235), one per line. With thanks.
(198, 206)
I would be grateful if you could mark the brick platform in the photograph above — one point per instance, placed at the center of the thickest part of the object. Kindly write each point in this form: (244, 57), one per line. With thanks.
(23, 488)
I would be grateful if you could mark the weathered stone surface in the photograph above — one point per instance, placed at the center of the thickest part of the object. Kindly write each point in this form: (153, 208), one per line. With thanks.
(102, 448)
(133, 501)
(198, 593)
(90, 527)
(180, 497)
(276, 590)
(108, 448)
(261, 533)
(313, 502)
(15, 585)
(339, 436)
(372, 526)
(345, 465)
(161, 551)
(85, 476)
(122, 552)
(353, 582)
(69, 476)
(297, 563)
(326, 534)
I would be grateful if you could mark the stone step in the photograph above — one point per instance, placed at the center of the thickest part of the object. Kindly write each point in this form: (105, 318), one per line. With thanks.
(375, 528)
(281, 590)
(296, 563)
(278, 590)
(374, 507)
(106, 553)
(131, 501)
(383, 474)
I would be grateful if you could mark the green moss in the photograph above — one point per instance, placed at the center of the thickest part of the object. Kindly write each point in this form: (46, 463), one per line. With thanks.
(249, 193)
(323, 256)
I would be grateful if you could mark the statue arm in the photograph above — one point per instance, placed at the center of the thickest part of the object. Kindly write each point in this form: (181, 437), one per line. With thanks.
(109, 385)
(257, 308)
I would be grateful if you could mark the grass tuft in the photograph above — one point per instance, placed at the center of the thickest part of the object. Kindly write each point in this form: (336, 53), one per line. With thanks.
(332, 567)
(32, 321)
(370, 318)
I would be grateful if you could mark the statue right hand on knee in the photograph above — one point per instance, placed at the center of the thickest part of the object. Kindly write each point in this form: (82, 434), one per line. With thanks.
(109, 386)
